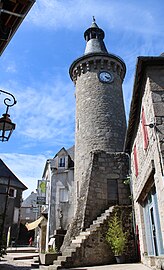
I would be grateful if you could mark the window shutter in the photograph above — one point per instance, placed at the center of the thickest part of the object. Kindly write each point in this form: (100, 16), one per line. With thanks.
(145, 132)
(135, 160)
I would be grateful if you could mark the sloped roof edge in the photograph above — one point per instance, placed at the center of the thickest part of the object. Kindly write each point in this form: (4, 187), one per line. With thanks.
(6, 173)
(142, 63)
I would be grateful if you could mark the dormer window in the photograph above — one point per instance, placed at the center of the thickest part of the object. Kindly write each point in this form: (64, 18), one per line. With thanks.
(62, 162)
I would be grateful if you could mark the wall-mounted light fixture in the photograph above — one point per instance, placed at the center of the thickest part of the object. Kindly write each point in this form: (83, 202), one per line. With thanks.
(151, 125)
(6, 125)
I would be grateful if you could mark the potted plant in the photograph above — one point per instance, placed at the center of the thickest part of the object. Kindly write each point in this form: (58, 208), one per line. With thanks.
(116, 238)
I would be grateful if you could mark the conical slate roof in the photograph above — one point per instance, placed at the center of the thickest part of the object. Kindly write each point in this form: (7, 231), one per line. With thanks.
(5, 172)
(94, 24)
(94, 37)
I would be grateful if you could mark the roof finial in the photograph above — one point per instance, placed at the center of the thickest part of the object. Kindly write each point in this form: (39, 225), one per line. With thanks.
(94, 20)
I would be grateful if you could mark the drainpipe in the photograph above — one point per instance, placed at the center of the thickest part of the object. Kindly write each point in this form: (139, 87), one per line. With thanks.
(49, 205)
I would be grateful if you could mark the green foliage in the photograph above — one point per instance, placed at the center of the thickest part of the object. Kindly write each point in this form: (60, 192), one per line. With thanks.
(127, 180)
(115, 236)
(52, 250)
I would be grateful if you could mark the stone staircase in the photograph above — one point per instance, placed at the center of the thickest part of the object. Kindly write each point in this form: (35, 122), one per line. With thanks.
(70, 256)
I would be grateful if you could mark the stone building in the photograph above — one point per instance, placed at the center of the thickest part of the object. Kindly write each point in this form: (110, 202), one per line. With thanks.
(59, 177)
(28, 214)
(11, 189)
(12, 14)
(28, 207)
(145, 145)
(101, 166)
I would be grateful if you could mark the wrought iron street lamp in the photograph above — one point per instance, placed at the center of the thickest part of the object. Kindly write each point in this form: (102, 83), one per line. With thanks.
(6, 125)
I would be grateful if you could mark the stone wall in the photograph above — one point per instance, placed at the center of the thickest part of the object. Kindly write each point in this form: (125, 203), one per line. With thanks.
(150, 160)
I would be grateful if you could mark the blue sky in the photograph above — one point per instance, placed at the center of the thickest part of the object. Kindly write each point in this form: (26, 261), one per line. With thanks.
(34, 68)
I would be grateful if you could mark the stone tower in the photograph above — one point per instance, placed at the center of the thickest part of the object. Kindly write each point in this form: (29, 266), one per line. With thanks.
(100, 114)
(100, 164)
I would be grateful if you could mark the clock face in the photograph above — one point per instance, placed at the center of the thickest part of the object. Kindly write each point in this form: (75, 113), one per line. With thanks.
(105, 76)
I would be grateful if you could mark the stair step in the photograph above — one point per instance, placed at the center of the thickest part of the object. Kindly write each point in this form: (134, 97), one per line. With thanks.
(85, 233)
(36, 260)
(68, 252)
(35, 265)
(94, 227)
(83, 237)
(43, 267)
(77, 241)
(109, 210)
(63, 258)
(54, 267)
(58, 263)
(98, 222)
(75, 245)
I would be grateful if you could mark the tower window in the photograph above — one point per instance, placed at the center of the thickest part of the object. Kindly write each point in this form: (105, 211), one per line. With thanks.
(93, 35)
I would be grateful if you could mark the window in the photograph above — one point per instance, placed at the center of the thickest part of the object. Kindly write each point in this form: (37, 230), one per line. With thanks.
(16, 215)
(135, 160)
(62, 162)
(12, 192)
(63, 195)
(28, 210)
(145, 132)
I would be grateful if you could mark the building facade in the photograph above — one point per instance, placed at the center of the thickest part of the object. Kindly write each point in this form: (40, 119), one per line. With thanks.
(11, 16)
(59, 177)
(29, 209)
(145, 145)
(11, 189)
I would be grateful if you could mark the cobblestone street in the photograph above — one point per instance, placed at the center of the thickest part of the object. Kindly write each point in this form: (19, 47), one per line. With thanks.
(22, 258)
(18, 258)
(13, 265)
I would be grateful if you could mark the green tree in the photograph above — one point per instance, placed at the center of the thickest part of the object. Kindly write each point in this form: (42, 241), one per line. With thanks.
(115, 236)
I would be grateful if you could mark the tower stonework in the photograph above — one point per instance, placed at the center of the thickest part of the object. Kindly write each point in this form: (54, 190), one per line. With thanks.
(100, 114)
(101, 166)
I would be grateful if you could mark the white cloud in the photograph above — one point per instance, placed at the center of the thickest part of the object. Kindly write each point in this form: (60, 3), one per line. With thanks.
(44, 111)
(11, 68)
(138, 16)
(28, 168)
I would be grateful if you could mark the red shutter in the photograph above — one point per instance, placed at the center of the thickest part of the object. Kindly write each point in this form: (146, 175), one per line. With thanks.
(145, 132)
(135, 160)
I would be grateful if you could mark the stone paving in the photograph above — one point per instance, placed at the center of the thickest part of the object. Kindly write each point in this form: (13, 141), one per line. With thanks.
(134, 266)
(15, 265)
(11, 262)
(18, 259)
